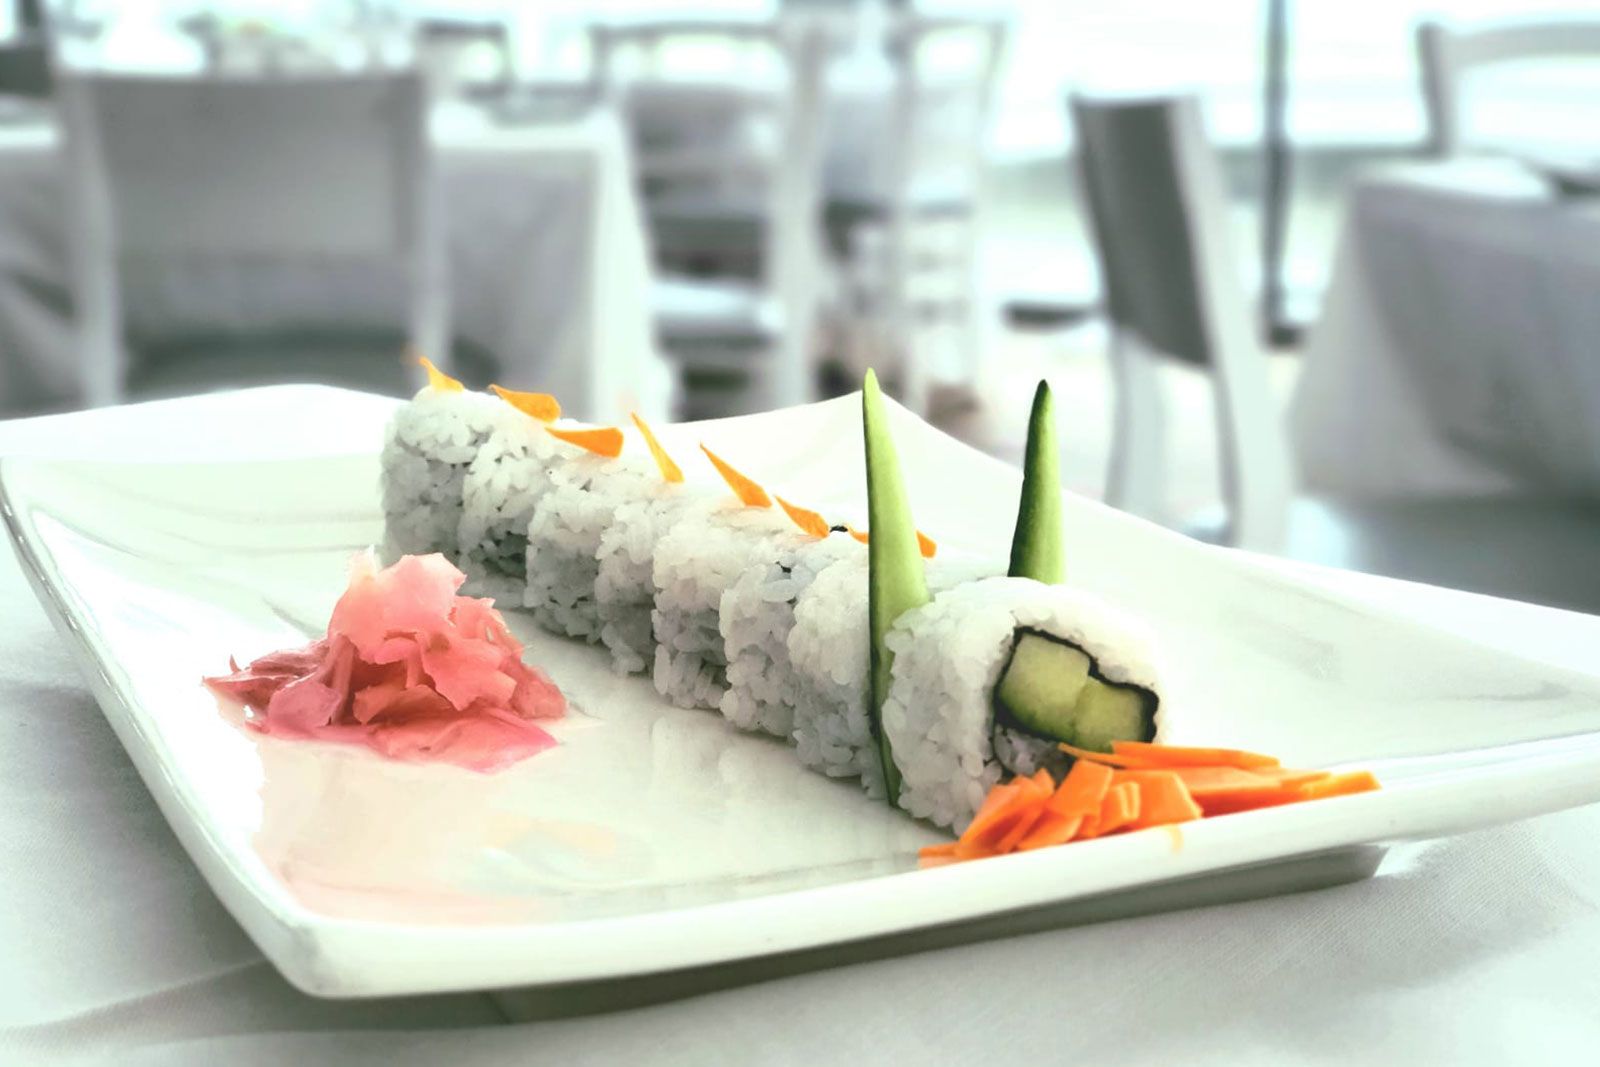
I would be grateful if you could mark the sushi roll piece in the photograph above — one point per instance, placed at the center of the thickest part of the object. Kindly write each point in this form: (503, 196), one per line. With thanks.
(990, 678)
(696, 562)
(828, 654)
(624, 590)
(564, 532)
(510, 471)
(429, 446)
(757, 615)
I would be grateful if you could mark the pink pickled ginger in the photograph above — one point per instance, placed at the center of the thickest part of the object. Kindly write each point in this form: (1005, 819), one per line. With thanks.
(408, 668)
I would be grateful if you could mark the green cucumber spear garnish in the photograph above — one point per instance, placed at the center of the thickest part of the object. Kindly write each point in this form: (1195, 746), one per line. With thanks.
(896, 582)
(1036, 549)
(1049, 686)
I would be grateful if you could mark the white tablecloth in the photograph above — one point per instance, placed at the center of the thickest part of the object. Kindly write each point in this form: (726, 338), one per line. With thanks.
(549, 270)
(1474, 950)
(1459, 346)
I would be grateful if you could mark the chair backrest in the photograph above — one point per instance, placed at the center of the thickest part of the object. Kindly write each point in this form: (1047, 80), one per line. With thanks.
(942, 110)
(1158, 209)
(1446, 54)
(452, 48)
(756, 138)
(326, 166)
(332, 167)
(25, 68)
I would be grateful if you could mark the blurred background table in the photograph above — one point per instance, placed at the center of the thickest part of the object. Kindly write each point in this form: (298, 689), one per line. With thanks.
(549, 268)
(1456, 353)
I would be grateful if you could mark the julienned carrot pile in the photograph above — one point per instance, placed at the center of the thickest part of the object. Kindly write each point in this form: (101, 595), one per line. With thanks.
(1134, 787)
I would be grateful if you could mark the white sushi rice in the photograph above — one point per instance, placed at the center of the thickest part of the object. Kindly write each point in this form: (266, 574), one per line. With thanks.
(829, 655)
(757, 615)
(624, 589)
(698, 560)
(512, 471)
(564, 534)
(428, 447)
(948, 658)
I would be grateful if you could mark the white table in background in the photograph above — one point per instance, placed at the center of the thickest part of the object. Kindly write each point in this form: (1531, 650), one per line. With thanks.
(1459, 346)
(1477, 949)
(550, 271)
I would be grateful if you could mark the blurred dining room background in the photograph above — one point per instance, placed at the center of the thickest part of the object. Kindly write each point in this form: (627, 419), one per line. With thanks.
(1309, 278)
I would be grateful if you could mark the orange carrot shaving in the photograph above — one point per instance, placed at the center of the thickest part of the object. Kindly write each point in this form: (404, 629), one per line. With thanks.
(748, 492)
(437, 379)
(1106, 758)
(1220, 785)
(1082, 790)
(808, 521)
(601, 440)
(1051, 829)
(541, 406)
(1140, 786)
(1119, 809)
(669, 470)
(1163, 799)
(1340, 785)
(938, 855)
(925, 544)
(1185, 756)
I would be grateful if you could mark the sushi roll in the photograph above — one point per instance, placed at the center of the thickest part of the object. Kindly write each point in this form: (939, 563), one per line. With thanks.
(991, 677)
(828, 654)
(513, 470)
(624, 589)
(988, 680)
(696, 562)
(429, 447)
(756, 617)
(564, 532)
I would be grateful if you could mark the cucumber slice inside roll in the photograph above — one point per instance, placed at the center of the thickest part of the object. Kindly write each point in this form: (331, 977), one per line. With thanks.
(1051, 688)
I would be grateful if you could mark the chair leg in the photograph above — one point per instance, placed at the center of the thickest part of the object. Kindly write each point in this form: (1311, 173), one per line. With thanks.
(975, 315)
(899, 318)
(102, 370)
(1136, 477)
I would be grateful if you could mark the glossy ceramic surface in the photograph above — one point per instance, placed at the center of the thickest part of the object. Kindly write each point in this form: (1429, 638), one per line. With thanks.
(658, 839)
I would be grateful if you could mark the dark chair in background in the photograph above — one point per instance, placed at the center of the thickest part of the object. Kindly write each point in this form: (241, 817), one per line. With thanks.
(1172, 292)
(1158, 210)
(25, 57)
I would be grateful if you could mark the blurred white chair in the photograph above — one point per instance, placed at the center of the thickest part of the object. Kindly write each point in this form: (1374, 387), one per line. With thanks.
(455, 47)
(716, 154)
(912, 240)
(1446, 55)
(1158, 207)
(227, 170)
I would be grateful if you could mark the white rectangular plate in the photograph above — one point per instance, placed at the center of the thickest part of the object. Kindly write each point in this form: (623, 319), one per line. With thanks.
(657, 839)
